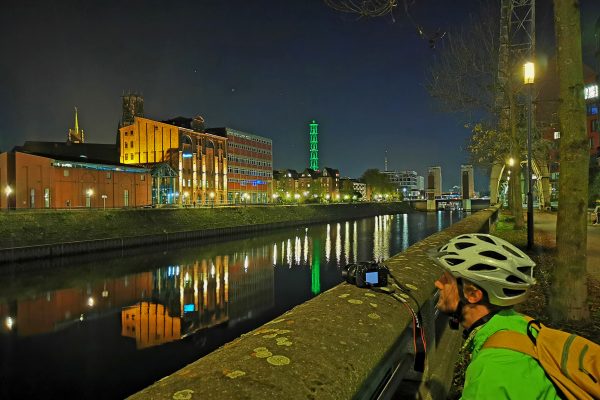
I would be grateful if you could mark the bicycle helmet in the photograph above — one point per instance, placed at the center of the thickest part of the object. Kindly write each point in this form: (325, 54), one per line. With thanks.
(493, 264)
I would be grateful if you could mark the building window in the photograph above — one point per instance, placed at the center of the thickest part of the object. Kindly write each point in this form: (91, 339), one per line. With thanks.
(591, 91)
(126, 156)
(556, 135)
(131, 144)
(131, 156)
(88, 198)
(47, 197)
(108, 175)
(142, 177)
(189, 182)
(126, 198)
(125, 144)
(65, 172)
(32, 198)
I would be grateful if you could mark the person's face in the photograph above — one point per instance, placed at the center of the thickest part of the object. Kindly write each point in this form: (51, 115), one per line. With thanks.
(449, 297)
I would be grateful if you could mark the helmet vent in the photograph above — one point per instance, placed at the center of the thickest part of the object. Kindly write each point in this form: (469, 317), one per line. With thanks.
(511, 251)
(512, 292)
(454, 261)
(493, 254)
(482, 267)
(526, 270)
(463, 245)
(514, 279)
(486, 239)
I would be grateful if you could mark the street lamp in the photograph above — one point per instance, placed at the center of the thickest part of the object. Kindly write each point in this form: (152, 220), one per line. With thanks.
(212, 199)
(104, 197)
(528, 80)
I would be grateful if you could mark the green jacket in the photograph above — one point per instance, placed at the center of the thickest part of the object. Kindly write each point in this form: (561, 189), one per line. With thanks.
(501, 373)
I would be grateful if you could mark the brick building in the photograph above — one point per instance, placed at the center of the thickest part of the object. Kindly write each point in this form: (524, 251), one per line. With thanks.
(40, 181)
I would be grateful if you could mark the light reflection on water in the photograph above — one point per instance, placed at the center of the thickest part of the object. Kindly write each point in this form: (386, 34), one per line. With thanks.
(192, 291)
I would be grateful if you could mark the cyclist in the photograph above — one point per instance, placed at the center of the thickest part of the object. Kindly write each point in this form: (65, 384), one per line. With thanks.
(484, 277)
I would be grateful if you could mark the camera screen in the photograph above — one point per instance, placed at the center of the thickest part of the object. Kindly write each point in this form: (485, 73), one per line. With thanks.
(372, 278)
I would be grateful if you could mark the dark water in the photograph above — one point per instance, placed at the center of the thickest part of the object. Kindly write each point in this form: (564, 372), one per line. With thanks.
(109, 325)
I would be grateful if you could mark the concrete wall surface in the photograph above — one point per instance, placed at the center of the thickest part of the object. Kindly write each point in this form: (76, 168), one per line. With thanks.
(346, 343)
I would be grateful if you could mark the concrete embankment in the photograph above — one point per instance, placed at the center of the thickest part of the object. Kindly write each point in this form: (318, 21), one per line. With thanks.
(35, 235)
(345, 343)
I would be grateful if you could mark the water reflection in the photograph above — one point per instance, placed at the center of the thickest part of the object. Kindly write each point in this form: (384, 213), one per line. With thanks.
(141, 301)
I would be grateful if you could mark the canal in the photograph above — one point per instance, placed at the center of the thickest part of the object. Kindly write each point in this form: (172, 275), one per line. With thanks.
(105, 326)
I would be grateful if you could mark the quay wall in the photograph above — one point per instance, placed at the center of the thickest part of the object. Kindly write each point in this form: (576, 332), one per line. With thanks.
(42, 235)
(346, 343)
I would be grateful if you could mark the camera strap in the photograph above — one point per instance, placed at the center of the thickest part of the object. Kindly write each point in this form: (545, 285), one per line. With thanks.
(419, 341)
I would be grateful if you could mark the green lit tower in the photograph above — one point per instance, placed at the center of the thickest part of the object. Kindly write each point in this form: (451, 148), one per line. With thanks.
(314, 145)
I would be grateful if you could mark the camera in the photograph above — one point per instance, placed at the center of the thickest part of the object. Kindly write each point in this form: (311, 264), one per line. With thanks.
(366, 274)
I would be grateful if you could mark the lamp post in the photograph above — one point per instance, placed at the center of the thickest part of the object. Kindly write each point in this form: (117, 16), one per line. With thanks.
(104, 202)
(528, 79)
(212, 199)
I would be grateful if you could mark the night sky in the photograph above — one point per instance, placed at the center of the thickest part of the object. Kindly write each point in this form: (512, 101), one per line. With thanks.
(266, 67)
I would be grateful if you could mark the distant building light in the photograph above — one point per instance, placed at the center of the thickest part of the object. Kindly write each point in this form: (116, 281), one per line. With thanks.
(556, 135)
(187, 155)
(591, 91)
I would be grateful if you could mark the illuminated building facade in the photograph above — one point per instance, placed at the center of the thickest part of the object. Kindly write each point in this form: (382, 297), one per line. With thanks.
(306, 182)
(329, 183)
(285, 182)
(189, 166)
(37, 181)
(249, 166)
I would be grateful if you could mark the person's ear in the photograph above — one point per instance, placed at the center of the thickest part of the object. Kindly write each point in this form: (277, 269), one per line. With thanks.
(472, 294)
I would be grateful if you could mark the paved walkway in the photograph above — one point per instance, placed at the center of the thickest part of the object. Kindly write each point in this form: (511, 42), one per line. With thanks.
(546, 222)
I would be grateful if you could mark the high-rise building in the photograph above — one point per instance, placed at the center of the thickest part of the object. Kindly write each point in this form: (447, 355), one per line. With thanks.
(249, 166)
(434, 183)
(467, 182)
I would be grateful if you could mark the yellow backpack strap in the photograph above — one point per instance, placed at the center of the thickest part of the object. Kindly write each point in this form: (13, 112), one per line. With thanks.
(513, 341)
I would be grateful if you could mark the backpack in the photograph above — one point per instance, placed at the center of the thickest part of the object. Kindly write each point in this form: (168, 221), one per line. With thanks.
(571, 361)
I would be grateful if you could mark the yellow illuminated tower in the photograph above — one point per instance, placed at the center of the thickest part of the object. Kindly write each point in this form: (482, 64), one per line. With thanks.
(75, 135)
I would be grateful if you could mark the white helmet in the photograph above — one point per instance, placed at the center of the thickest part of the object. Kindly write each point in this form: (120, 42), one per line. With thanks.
(493, 264)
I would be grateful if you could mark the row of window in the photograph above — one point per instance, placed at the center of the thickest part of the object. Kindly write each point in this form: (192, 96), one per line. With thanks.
(131, 145)
(108, 175)
(250, 172)
(209, 184)
(249, 148)
(251, 138)
(250, 161)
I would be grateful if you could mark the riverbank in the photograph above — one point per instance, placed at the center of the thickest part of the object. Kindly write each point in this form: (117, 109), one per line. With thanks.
(24, 228)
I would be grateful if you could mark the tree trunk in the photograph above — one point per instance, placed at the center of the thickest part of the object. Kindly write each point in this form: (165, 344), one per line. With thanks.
(569, 287)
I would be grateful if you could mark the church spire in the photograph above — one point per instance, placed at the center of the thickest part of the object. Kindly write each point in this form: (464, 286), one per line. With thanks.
(75, 135)
(76, 122)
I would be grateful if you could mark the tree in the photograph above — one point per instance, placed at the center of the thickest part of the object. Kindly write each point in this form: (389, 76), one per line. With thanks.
(473, 74)
(378, 182)
(568, 299)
